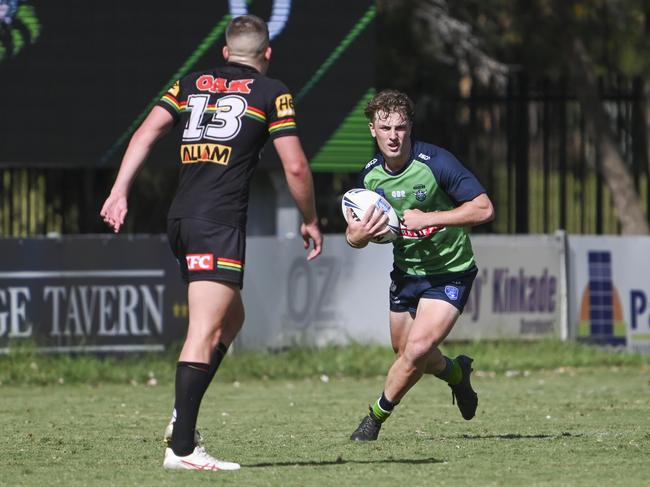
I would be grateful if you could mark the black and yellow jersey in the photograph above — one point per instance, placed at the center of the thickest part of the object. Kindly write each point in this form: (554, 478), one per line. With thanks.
(228, 114)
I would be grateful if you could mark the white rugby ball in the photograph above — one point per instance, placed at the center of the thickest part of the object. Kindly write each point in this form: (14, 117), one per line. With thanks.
(359, 200)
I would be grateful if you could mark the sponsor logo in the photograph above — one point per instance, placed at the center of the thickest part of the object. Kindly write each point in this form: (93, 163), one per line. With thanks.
(209, 83)
(601, 311)
(219, 154)
(200, 262)
(422, 233)
(451, 292)
(424, 157)
(175, 89)
(370, 163)
(284, 106)
(420, 192)
(398, 194)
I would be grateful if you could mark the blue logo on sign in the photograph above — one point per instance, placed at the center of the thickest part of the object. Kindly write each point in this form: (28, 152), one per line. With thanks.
(451, 292)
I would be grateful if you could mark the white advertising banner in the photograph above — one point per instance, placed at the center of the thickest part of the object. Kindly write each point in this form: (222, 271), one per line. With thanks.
(342, 296)
(520, 290)
(609, 290)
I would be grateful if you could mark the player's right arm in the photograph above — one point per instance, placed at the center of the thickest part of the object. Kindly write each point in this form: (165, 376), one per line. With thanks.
(360, 232)
(301, 186)
(157, 123)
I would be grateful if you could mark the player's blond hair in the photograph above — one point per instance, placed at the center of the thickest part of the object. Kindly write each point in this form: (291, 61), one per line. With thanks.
(247, 38)
(388, 101)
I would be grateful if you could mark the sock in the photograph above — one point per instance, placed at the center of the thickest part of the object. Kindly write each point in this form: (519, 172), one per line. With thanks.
(217, 356)
(382, 408)
(452, 373)
(191, 383)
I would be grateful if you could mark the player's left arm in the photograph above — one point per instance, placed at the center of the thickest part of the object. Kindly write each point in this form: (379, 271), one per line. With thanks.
(474, 212)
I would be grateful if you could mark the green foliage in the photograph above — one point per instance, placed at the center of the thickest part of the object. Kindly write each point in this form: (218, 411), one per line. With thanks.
(25, 366)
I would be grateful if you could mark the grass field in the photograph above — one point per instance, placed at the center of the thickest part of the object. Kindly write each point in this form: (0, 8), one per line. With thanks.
(562, 425)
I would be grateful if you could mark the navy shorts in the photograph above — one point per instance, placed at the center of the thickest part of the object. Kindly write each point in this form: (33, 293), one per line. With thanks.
(406, 290)
(207, 251)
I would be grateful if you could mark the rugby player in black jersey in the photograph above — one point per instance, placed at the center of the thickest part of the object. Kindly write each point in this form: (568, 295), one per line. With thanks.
(228, 114)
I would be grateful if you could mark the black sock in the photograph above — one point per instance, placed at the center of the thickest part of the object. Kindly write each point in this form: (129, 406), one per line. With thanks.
(191, 383)
(217, 356)
(444, 373)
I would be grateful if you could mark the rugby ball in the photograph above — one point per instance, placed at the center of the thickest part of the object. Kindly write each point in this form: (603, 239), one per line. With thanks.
(359, 200)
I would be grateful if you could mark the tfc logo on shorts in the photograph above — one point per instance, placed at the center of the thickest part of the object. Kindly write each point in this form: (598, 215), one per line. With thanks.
(200, 262)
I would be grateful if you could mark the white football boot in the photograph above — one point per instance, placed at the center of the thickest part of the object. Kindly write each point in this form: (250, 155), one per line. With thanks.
(199, 459)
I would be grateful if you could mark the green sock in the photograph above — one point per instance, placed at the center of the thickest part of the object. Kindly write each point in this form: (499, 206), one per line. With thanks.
(452, 374)
(382, 408)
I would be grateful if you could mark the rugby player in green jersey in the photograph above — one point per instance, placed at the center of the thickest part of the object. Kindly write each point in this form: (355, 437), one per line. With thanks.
(436, 198)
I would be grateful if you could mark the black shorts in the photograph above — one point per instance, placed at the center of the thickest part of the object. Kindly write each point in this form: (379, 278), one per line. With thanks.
(207, 251)
(406, 290)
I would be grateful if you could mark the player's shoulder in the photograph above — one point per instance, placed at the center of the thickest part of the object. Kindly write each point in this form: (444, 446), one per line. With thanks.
(433, 155)
(190, 78)
(376, 161)
(274, 85)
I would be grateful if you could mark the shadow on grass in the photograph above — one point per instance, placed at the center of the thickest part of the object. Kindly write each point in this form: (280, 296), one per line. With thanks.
(517, 436)
(341, 461)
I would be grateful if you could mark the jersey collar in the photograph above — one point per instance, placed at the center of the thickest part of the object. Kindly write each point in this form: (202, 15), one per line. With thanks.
(404, 167)
(243, 67)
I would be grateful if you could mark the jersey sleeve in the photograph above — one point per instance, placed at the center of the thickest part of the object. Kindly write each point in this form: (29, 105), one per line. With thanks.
(281, 119)
(170, 101)
(455, 179)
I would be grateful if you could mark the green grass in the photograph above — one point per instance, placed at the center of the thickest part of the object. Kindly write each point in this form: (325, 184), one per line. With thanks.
(550, 413)
(572, 426)
(24, 366)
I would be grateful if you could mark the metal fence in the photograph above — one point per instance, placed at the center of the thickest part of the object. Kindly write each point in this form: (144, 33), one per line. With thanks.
(529, 146)
(532, 150)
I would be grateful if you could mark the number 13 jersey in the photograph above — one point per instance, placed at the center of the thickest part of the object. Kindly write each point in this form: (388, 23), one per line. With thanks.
(228, 114)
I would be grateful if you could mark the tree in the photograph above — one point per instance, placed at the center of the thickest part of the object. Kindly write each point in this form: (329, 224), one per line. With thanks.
(486, 39)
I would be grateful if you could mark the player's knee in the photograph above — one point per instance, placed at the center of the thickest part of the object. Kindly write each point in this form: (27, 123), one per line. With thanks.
(416, 352)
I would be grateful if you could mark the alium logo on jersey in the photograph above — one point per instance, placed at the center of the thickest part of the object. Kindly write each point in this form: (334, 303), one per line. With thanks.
(219, 154)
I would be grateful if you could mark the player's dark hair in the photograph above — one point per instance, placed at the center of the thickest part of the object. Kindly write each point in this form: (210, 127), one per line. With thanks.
(248, 24)
(388, 101)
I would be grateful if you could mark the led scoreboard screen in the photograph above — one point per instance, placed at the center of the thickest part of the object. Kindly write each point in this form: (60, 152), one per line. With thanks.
(77, 77)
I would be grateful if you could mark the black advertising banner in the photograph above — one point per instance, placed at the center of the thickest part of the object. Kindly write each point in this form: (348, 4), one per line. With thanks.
(91, 294)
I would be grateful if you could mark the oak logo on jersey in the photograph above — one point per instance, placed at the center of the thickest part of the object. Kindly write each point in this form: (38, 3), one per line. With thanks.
(200, 262)
(175, 89)
(207, 82)
(219, 154)
(284, 106)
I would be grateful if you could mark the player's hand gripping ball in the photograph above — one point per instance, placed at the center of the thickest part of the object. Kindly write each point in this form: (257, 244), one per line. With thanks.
(359, 200)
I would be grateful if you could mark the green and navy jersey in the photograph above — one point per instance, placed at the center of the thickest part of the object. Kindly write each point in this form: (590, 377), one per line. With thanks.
(431, 180)
(227, 115)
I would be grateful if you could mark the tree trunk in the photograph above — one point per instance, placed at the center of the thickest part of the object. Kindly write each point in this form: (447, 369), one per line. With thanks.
(616, 173)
